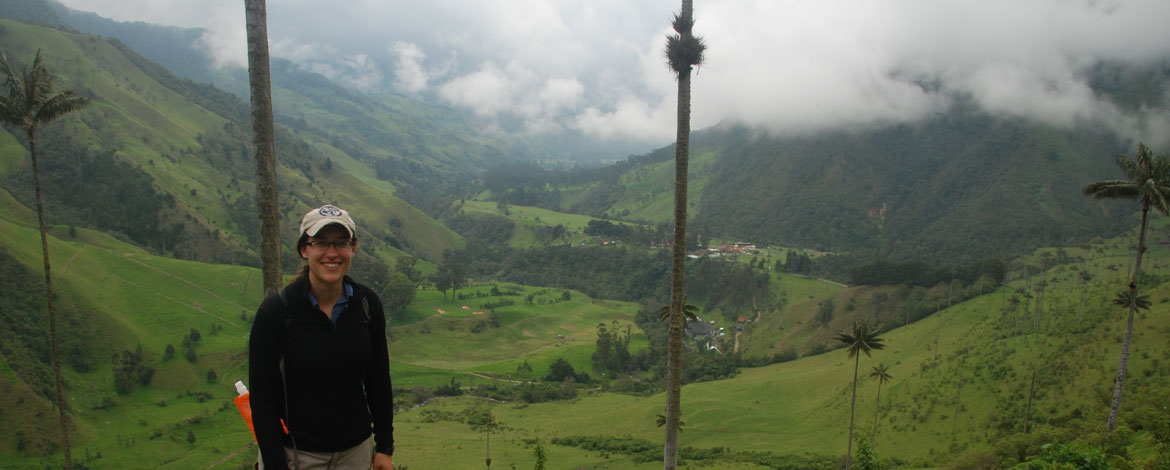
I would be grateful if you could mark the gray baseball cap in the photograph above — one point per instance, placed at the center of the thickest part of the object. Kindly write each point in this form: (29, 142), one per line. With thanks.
(318, 218)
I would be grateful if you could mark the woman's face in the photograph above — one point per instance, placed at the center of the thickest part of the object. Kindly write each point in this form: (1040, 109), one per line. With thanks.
(328, 261)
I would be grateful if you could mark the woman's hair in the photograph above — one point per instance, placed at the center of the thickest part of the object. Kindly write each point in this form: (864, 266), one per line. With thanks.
(301, 244)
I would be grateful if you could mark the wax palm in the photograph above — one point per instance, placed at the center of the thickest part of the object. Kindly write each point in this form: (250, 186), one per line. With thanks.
(263, 140)
(882, 375)
(861, 339)
(1148, 179)
(683, 52)
(690, 312)
(28, 102)
(1125, 299)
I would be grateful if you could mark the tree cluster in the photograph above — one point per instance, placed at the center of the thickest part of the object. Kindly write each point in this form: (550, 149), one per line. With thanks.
(733, 288)
(451, 274)
(98, 190)
(920, 273)
(129, 370)
(487, 228)
(22, 339)
(560, 370)
(189, 341)
(612, 354)
(796, 263)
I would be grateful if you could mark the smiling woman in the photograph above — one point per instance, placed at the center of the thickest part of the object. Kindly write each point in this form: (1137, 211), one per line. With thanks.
(318, 360)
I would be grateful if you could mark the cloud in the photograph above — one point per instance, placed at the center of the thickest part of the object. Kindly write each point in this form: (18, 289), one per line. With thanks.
(485, 91)
(409, 74)
(631, 118)
(795, 67)
(596, 66)
(515, 92)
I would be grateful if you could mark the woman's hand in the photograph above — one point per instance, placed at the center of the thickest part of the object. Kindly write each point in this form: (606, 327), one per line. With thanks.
(383, 461)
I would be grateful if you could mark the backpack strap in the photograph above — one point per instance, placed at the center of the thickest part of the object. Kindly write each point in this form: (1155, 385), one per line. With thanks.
(286, 310)
(284, 303)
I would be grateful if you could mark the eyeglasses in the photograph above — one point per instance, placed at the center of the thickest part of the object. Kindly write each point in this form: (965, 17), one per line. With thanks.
(340, 245)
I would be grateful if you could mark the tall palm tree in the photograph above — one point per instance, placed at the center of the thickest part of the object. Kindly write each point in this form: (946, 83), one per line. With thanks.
(260, 84)
(882, 375)
(1148, 179)
(683, 52)
(860, 339)
(28, 102)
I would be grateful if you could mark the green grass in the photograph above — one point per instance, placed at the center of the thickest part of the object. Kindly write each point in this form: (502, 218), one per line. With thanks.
(13, 156)
(649, 190)
(153, 127)
(528, 218)
(142, 299)
(933, 407)
(539, 334)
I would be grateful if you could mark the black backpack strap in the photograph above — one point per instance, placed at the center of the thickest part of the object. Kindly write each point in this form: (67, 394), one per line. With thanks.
(284, 303)
(287, 312)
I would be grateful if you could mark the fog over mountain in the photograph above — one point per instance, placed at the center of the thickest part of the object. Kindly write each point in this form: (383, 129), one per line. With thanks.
(596, 67)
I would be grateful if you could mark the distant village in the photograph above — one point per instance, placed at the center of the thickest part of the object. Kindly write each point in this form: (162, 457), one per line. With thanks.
(732, 249)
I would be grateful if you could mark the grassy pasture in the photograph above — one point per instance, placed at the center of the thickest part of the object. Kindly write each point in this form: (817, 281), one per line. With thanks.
(139, 299)
(649, 190)
(960, 376)
(536, 333)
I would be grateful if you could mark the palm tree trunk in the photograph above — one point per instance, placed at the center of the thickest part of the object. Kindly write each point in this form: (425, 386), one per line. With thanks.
(876, 407)
(678, 261)
(678, 271)
(1028, 408)
(32, 147)
(1115, 404)
(1081, 306)
(260, 85)
(852, 408)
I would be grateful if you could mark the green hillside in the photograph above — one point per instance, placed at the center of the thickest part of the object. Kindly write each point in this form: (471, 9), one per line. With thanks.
(134, 301)
(956, 187)
(184, 149)
(961, 376)
(959, 393)
(403, 139)
(953, 188)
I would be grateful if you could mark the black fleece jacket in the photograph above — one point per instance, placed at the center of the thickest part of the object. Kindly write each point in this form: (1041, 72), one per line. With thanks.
(337, 376)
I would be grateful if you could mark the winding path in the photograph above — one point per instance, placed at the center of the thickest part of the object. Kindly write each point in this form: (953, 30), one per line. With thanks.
(228, 456)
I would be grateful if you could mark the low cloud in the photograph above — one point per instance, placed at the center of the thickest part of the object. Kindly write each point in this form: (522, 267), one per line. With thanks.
(409, 74)
(487, 91)
(597, 66)
(819, 65)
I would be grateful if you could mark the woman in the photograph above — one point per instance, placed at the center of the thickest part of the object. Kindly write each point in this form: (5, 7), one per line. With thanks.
(318, 361)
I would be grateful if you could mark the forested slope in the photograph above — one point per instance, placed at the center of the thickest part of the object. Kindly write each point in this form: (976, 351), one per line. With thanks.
(962, 186)
(955, 187)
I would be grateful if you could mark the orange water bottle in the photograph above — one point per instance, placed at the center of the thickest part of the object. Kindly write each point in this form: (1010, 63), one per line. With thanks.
(244, 403)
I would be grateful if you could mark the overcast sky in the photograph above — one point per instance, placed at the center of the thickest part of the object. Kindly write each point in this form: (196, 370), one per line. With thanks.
(597, 66)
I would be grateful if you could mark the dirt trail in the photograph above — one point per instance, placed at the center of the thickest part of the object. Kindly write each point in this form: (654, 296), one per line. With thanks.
(228, 456)
(64, 267)
(483, 376)
(192, 284)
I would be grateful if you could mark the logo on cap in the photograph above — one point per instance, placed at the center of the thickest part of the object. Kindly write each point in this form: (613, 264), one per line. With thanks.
(330, 211)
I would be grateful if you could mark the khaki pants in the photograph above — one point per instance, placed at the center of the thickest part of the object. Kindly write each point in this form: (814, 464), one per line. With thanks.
(359, 457)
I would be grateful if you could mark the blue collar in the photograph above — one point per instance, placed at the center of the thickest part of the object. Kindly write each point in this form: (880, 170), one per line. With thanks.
(337, 307)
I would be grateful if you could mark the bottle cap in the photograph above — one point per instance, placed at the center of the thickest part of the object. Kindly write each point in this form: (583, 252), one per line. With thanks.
(241, 388)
